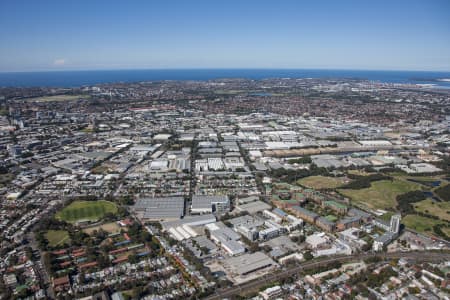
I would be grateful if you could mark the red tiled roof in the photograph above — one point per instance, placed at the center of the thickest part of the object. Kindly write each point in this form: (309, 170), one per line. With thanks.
(88, 265)
(61, 280)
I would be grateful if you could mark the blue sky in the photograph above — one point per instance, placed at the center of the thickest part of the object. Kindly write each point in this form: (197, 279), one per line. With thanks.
(334, 34)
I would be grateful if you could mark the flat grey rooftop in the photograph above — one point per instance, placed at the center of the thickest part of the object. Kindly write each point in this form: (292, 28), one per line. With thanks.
(201, 202)
(247, 263)
(190, 220)
(160, 208)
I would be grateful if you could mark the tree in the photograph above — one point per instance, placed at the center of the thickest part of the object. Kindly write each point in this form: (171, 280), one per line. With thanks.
(29, 252)
(444, 192)
(308, 255)
(133, 258)
(413, 290)
(361, 182)
(298, 239)
(404, 201)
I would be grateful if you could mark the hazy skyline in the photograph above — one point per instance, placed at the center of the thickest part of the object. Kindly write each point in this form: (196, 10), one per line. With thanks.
(88, 35)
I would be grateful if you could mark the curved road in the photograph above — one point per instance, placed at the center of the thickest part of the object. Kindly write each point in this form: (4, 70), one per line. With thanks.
(255, 284)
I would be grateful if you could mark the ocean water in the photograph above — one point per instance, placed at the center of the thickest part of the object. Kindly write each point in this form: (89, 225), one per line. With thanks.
(80, 78)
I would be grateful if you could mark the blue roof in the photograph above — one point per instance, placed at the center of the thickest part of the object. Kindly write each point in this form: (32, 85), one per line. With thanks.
(279, 212)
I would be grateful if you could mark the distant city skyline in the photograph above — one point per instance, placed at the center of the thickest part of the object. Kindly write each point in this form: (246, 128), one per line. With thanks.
(111, 35)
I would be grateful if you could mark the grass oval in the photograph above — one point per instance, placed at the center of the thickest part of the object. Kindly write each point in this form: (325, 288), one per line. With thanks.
(86, 210)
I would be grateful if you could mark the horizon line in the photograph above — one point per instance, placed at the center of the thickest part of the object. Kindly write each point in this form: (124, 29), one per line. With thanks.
(222, 68)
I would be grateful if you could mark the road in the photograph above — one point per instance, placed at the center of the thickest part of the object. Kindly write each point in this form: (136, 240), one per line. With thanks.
(254, 285)
(39, 267)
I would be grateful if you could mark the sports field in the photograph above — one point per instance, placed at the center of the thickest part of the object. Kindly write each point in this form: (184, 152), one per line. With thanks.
(322, 182)
(381, 194)
(86, 210)
(59, 98)
(57, 237)
(108, 227)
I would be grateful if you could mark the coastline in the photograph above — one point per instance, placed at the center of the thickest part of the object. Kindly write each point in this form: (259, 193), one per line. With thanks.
(83, 78)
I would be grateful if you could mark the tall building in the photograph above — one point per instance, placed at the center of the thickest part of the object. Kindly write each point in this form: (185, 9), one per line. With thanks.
(395, 223)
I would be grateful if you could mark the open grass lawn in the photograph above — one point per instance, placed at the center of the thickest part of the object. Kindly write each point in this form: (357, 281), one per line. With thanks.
(446, 230)
(387, 216)
(59, 98)
(438, 209)
(360, 172)
(87, 130)
(102, 169)
(229, 92)
(86, 210)
(426, 178)
(322, 182)
(57, 237)
(429, 182)
(381, 194)
(422, 224)
(331, 218)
